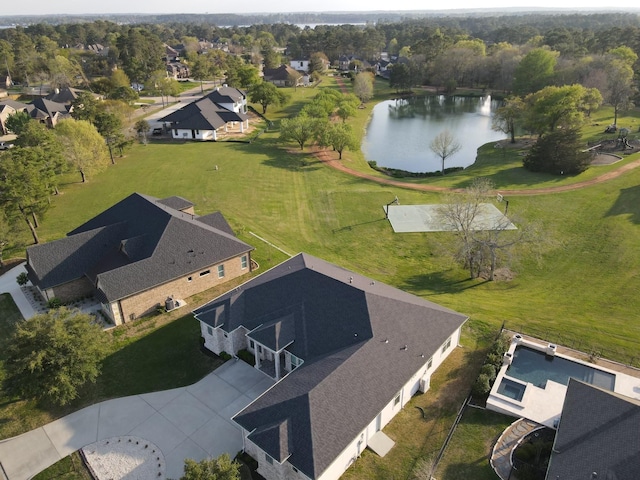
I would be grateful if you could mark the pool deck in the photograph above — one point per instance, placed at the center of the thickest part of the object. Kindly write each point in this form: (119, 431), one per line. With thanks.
(544, 405)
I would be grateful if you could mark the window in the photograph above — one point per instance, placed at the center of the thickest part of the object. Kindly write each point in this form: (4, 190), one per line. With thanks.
(268, 458)
(429, 363)
(396, 400)
(243, 262)
(446, 345)
(252, 345)
(205, 273)
(220, 271)
(210, 330)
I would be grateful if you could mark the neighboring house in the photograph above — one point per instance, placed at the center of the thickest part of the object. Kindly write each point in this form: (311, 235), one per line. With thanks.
(598, 436)
(48, 111)
(136, 254)
(300, 65)
(175, 68)
(9, 107)
(68, 95)
(282, 76)
(348, 353)
(222, 111)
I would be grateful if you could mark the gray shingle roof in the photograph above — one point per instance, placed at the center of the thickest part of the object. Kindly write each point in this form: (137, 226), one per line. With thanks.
(599, 432)
(136, 244)
(176, 202)
(203, 114)
(350, 331)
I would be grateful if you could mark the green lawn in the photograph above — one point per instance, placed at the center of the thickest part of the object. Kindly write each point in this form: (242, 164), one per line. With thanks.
(580, 290)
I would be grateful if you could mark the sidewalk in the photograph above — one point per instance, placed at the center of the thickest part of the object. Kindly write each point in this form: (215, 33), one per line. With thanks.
(9, 285)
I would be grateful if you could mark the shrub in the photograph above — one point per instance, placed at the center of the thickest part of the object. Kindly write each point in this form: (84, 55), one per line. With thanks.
(247, 356)
(490, 371)
(225, 356)
(22, 279)
(482, 386)
(54, 303)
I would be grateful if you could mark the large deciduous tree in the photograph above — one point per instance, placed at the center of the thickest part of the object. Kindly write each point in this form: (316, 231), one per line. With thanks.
(339, 136)
(140, 53)
(508, 116)
(445, 145)
(83, 146)
(301, 129)
(266, 94)
(363, 86)
(50, 356)
(535, 71)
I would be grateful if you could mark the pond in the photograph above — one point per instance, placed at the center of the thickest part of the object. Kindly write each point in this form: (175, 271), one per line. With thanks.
(400, 131)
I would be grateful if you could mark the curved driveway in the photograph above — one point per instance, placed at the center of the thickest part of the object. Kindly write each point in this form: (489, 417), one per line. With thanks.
(188, 422)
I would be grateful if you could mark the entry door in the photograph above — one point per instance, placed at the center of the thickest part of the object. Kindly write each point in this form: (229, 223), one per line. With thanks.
(379, 422)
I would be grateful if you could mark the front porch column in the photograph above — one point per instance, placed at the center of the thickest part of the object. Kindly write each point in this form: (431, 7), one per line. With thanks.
(241, 127)
(276, 358)
(256, 355)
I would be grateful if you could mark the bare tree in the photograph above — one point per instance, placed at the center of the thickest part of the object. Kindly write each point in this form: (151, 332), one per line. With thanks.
(445, 145)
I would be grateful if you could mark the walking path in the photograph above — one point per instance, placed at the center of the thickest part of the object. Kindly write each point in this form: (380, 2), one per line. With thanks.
(501, 454)
(9, 285)
(187, 422)
(327, 157)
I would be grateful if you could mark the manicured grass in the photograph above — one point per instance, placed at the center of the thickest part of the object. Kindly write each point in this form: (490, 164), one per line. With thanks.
(69, 468)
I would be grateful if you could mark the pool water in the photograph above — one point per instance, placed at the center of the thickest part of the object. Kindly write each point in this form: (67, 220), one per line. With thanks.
(535, 367)
(511, 389)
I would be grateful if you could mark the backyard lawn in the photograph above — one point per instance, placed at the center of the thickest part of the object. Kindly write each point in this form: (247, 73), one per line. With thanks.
(581, 289)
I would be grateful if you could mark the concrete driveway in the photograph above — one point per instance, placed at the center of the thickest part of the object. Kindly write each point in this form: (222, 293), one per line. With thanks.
(188, 422)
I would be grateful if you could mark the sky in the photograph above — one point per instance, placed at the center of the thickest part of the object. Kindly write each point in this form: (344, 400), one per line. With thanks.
(42, 7)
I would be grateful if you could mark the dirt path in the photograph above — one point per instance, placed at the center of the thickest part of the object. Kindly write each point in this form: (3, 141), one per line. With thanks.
(327, 157)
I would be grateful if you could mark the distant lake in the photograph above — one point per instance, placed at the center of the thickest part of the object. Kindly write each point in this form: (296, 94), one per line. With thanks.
(401, 130)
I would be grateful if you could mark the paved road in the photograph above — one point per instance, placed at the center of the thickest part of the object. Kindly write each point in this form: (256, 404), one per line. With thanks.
(188, 422)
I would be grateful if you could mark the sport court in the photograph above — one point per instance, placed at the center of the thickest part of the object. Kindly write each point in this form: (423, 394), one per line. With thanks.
(428, 218)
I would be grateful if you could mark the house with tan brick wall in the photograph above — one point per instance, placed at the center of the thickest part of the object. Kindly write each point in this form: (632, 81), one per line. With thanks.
(347, 354)
(137, 254)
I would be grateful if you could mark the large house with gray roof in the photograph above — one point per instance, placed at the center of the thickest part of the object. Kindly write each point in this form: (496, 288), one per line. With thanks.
(598, 436)
(222, 111)
(136, 254)
(347, 353)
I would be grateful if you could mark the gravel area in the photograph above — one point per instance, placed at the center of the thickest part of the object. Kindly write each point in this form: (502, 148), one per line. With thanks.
(125, 458)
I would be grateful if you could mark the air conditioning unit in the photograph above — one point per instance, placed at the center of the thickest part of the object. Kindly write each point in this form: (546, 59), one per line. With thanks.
(425, 383)
(551, 350)
(507, 358)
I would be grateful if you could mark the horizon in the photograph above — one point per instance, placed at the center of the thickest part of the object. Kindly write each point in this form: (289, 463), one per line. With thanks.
(163, 7)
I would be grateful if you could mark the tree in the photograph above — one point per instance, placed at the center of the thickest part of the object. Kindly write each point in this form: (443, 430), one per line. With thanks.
(83, 146)
(401, 78)
(266, 94)
(507, 117)
(221, 468)
(300, 129)
(553, 107)
(458, 214)
(620, 87)
(142, 127)
(109, 126)
(535, 71)
(444, 145)
(318, 62)
(363, 86)
(24, 186)
(140, 53)
(340, 136)
(17, 122)
(50, 356)
(559, 152)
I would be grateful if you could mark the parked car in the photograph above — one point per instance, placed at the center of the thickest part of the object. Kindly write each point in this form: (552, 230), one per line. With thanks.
(157, 131)
(5, 146)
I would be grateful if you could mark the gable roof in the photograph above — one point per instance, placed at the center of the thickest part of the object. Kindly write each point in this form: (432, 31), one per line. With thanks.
(599, 432)
(351, 332)
(203, 114)
(282, 73)
(138, 243)
(64, 95)
(41, 108)
(226, 94)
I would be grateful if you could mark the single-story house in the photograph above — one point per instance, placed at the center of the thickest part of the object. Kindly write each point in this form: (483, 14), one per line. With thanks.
(137, 254)
(347, 352)
(223, 110)
(598, 436)
(282, 76)
(48, 111)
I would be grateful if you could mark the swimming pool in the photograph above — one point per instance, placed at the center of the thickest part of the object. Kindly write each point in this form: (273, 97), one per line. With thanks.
(511, 389)
(535, 367)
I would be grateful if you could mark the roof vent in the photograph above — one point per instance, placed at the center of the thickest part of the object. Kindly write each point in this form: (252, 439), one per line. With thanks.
(386, 340)
(373, 283)
(350, 279)
(405, 347)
